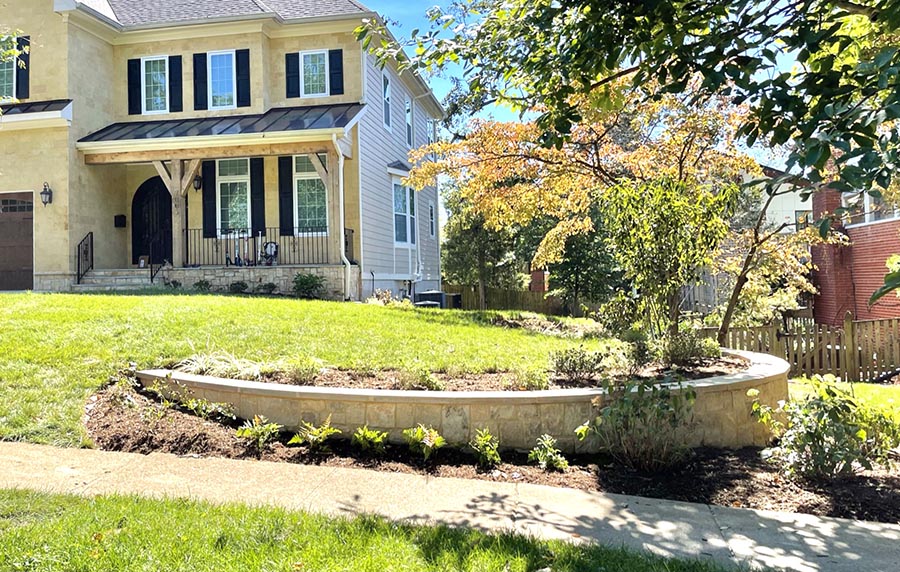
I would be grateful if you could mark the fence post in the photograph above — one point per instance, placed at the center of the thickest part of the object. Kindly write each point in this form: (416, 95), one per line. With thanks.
(852, 348)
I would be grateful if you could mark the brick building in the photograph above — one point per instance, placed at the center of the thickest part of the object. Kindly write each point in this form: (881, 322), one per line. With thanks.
(848, 275)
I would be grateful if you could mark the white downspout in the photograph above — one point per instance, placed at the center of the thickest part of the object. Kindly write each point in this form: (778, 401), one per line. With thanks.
(343, 235)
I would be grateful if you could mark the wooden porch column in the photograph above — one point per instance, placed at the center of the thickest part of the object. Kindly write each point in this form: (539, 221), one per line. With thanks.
(178, 179)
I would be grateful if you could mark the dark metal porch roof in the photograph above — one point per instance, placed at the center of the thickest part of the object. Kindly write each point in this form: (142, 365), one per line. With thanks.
(34, 107)
(273, 121)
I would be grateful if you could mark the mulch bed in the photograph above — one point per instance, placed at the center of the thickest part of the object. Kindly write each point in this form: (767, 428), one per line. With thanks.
(389, 379)
(121, 419)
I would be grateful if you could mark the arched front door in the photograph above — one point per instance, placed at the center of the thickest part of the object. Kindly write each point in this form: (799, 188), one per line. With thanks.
(151, 218)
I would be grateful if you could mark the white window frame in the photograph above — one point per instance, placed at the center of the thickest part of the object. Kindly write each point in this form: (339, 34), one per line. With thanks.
(327, 74)
(209, 80)
(387, 101)
(307, 177)
(233, 179)
(410, 122)
(410, 216)
(432, 219)
(144, 61)
(868, 211)
(15, 69)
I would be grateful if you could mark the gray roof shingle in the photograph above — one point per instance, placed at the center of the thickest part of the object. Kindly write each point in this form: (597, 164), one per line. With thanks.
(134, 13)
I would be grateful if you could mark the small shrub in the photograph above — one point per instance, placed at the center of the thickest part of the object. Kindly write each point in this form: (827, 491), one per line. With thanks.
(239, 287)
(547, 455)
(828, 433)
(486, 448)
(643, 424)
(423, 440)
(530, 379)
(315, 437)
(577, 365)
(303, 371)
(206, 409)
(267, 288)
(381, 297)
(369, 440)
(639, 351)
(202, 286)
(224, 364)
(419, 377)
(173, 284)
(687, 348)
(259, 432)
(309, 286)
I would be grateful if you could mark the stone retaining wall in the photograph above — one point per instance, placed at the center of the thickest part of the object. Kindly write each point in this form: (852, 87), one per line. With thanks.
(518, 418)
(220, 278)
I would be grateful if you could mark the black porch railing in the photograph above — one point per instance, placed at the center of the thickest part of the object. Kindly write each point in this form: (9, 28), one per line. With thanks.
(156, 257)
(273, 247)
(84, 256)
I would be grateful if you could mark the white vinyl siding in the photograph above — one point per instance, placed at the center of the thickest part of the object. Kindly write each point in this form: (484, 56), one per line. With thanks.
(311, 198)
(314, 73)
(222, 78)
(155, 85)
(386, 100)
(233, 195)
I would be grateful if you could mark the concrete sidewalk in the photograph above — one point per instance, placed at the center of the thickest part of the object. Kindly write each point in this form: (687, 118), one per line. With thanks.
(761, 539)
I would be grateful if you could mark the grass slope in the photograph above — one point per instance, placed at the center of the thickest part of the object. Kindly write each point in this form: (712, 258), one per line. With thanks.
(62, 533)
(57, 348)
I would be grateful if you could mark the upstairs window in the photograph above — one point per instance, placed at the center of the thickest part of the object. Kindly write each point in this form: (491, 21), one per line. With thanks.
(7, 79)
(409, 123)
(311, 214)
(222, 80)
(155, 84)
(404, 215)
(432, 220)
(864, 208)
(386, 96)
(233, 196)
(314, 73)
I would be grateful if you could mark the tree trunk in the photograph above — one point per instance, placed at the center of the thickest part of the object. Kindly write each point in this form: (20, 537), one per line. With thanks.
(482, 290)
(674, 308)
(722, 336)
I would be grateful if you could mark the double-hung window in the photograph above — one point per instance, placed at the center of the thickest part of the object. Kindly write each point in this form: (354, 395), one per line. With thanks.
(432, 219)
(314, 73)
(222, 80)
(386, 97)
(7, 76)
(311, 214)
(233, 196)
(868, 209)
(404, 215)
(409, 123)
(155, 84)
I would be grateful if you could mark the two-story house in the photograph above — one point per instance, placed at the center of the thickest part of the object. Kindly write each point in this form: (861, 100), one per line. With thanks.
(209, 140)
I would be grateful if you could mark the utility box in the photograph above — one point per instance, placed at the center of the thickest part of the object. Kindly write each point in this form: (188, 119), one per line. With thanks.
(435, 296)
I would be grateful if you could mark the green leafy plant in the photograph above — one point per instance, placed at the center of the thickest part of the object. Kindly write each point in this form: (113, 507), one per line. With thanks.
(419, 377)
(643, 424)
(369, 440)
(303, 371)
(308, 285)
(687, 348)
(206, 409)
(827, 433)
(239, 287)
(202, 286)
(577, 365)
(173, 284)
(530, 379)
(423, 440)
(547, 455)
(267, 288)
(315, 438)
(259, 432)
(486, 448)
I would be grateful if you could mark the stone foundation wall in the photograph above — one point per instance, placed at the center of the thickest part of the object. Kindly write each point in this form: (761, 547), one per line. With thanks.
(52, 282)
(220, 278)
(721, 414)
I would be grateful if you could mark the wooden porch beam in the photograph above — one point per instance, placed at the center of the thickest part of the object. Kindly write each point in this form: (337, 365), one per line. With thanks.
(190, 173)
(164, 174)
(207, 153)
(319, 167)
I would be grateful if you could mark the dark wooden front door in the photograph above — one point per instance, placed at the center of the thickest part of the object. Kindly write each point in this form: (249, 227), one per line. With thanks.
(16, 241)
(151, 218)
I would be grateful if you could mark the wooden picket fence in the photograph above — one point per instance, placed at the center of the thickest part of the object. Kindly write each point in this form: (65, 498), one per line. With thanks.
(813, 348)
(501, 299)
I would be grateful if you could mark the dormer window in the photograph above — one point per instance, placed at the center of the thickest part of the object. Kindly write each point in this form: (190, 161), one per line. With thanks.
(155, 84)
(222, 80)
(314, 73)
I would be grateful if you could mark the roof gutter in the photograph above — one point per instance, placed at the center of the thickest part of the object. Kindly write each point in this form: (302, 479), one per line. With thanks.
(207, 141)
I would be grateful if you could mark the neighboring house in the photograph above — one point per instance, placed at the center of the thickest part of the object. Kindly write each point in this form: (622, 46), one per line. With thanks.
(219, 136)
(848, 275)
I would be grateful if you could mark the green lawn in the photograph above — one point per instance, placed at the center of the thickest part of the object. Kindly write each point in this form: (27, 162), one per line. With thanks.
(57, 348)
(47, 533)
(884, 396)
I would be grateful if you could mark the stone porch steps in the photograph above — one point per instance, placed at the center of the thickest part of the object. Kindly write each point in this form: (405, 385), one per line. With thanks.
(119, 279)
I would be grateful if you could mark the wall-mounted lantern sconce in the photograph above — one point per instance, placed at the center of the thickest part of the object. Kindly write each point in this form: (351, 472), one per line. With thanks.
(47, 195)
(198, 183)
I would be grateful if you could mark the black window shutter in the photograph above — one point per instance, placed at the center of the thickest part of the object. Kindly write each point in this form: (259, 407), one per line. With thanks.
(208, 172)
(176, 97)
(134, 87)
(200, 83)
(23, 83)
(242, 65)
(292, 74)
(286, 195)
(336, 71)
(258, 196)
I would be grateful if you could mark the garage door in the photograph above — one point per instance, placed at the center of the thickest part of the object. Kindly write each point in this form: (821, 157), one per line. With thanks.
(16, 241)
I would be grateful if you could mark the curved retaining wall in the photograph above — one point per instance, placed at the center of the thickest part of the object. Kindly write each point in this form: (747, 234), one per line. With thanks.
(721, 414)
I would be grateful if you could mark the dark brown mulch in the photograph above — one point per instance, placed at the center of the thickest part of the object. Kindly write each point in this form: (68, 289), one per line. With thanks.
(390, 379)
(120, 419)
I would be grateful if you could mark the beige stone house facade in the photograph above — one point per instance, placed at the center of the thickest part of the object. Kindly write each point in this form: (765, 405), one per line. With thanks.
(219, 140)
